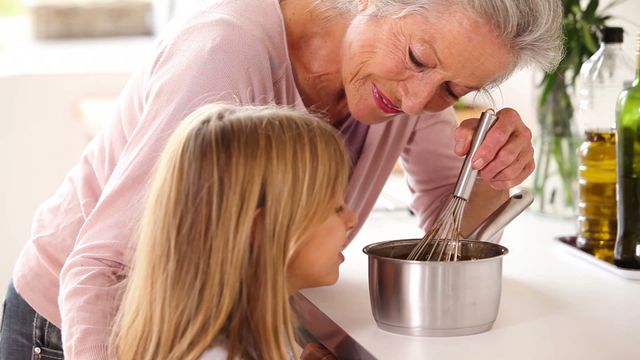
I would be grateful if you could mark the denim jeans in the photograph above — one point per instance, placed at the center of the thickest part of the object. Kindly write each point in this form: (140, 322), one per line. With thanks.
(25, 334)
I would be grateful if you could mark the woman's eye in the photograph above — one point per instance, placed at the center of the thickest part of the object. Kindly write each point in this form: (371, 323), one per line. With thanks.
(450, 92)
(415, 60)
(340, 208)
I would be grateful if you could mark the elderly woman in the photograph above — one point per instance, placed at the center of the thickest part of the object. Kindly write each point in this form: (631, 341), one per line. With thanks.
(384, 72)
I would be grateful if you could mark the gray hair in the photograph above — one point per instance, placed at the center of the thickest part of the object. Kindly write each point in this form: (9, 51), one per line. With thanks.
(532, 29)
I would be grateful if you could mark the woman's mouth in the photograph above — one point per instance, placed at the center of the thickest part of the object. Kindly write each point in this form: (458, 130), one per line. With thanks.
(384, 103)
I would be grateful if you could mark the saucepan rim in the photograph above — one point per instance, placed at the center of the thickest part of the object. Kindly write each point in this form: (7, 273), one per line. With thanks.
(367, 250)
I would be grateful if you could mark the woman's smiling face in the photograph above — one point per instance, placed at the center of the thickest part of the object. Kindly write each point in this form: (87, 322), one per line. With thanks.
(417, 64)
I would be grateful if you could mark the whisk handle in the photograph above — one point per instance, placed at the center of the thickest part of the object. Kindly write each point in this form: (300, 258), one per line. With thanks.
(467, 176)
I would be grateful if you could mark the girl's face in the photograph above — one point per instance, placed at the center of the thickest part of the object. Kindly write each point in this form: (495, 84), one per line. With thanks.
(414, 65)
(320, 254)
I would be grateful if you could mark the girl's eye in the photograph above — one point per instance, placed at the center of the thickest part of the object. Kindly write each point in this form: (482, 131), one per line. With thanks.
(340, 208)
(415, 60)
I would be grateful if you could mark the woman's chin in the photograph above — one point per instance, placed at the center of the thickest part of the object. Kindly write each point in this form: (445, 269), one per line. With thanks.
(370, 116)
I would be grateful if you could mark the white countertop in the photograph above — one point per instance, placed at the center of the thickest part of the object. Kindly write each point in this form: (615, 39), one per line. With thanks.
(554, 305)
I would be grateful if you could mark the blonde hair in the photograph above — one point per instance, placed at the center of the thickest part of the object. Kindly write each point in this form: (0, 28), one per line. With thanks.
(206, 267)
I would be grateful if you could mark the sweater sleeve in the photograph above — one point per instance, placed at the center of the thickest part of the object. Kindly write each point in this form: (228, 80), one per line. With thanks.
(203, 63)
(431, 166)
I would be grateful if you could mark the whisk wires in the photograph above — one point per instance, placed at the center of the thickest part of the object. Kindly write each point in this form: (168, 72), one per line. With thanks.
(442, 241)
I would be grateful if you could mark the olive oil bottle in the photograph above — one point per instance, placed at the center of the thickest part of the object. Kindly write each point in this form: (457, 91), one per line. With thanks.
(601, 79)
(627, 248)
(597, 221)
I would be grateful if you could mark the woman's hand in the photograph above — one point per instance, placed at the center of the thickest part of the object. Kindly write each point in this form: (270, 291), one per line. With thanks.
(315, 351)
(505, 157)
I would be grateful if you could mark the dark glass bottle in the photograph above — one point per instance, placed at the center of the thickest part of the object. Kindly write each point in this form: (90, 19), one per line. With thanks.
(627, 247)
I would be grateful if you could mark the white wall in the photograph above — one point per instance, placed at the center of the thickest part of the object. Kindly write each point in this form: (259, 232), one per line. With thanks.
(41, 138)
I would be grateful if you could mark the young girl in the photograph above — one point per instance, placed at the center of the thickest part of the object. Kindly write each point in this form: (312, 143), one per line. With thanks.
(246, 207)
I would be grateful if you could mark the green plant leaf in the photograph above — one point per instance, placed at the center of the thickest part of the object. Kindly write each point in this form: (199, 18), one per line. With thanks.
(590, 11)
(576, 10)
(549, 82)
(588, 37)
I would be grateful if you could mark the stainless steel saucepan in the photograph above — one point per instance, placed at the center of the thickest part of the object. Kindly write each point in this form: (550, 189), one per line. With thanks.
(438, 298)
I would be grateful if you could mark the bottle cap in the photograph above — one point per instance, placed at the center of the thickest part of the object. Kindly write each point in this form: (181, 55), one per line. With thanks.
(612, 35)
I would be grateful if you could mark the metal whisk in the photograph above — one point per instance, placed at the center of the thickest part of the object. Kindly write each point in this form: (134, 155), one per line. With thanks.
(442, 241)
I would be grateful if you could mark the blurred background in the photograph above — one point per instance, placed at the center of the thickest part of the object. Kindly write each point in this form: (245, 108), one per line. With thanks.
(63, 63)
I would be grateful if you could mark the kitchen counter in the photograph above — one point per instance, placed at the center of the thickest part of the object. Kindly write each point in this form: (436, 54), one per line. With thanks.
(554, 305)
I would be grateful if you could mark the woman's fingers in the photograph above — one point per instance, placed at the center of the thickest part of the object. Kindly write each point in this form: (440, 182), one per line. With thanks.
(464, 135)
(505, 157)
(511, 182)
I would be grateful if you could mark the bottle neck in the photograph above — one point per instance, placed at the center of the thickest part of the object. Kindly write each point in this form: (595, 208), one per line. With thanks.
(612, 47)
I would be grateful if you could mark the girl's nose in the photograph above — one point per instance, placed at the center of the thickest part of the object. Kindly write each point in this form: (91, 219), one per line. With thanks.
(349, 218)
(417, 91)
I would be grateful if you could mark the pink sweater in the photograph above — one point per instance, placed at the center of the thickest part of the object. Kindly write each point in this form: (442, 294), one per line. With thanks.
(69, 271)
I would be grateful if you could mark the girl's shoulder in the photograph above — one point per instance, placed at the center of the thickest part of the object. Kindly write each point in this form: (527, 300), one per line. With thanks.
(218, 352)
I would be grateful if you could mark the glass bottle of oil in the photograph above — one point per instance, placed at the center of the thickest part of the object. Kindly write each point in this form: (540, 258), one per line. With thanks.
(627, 249)
(602, 77)
(597, 221)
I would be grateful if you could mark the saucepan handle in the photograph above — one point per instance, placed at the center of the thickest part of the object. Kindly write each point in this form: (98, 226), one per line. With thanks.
(502, 216)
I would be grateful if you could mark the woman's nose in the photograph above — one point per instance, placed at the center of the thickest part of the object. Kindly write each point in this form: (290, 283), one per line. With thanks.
(349, 218)
(417, 91)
